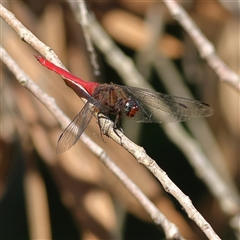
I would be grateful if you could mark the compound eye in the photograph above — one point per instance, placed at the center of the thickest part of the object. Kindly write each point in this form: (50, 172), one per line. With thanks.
(131, 108)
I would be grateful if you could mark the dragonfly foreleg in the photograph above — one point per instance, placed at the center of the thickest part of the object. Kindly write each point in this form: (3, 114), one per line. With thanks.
(116, 125)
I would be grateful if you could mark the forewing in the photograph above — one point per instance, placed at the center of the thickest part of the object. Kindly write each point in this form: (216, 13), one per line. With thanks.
(74, 130)
(163, 108)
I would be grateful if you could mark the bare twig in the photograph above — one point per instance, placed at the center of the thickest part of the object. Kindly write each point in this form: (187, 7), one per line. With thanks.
(205, 47)
(141, 156)
(27, 36)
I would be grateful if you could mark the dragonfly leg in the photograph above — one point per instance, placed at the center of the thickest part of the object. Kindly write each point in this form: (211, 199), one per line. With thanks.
(117, 126)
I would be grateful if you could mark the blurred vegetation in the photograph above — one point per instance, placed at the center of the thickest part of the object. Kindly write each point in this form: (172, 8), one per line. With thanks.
(77, 197)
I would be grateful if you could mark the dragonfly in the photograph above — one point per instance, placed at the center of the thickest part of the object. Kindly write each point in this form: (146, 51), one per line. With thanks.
(141, 105)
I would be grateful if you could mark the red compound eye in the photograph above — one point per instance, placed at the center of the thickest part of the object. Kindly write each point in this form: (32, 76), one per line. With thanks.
(131, 108)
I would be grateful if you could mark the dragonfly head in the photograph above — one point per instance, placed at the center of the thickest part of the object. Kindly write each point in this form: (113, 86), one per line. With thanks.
(130, 108)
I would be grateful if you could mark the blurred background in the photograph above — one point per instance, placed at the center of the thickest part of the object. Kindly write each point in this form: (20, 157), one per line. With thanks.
(74, 195)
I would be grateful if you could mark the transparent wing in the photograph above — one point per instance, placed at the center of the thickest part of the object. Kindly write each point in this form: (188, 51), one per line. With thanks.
(163, 108)
(78, 125)
(74, 130)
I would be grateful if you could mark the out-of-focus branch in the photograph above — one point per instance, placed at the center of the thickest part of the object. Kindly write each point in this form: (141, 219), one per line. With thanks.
(36, 197)
(205, 47)
(83, 19)
(159, 219)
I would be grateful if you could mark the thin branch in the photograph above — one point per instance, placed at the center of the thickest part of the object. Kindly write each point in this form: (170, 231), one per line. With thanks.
(205, 47)
(28, 37)
(141, 156)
